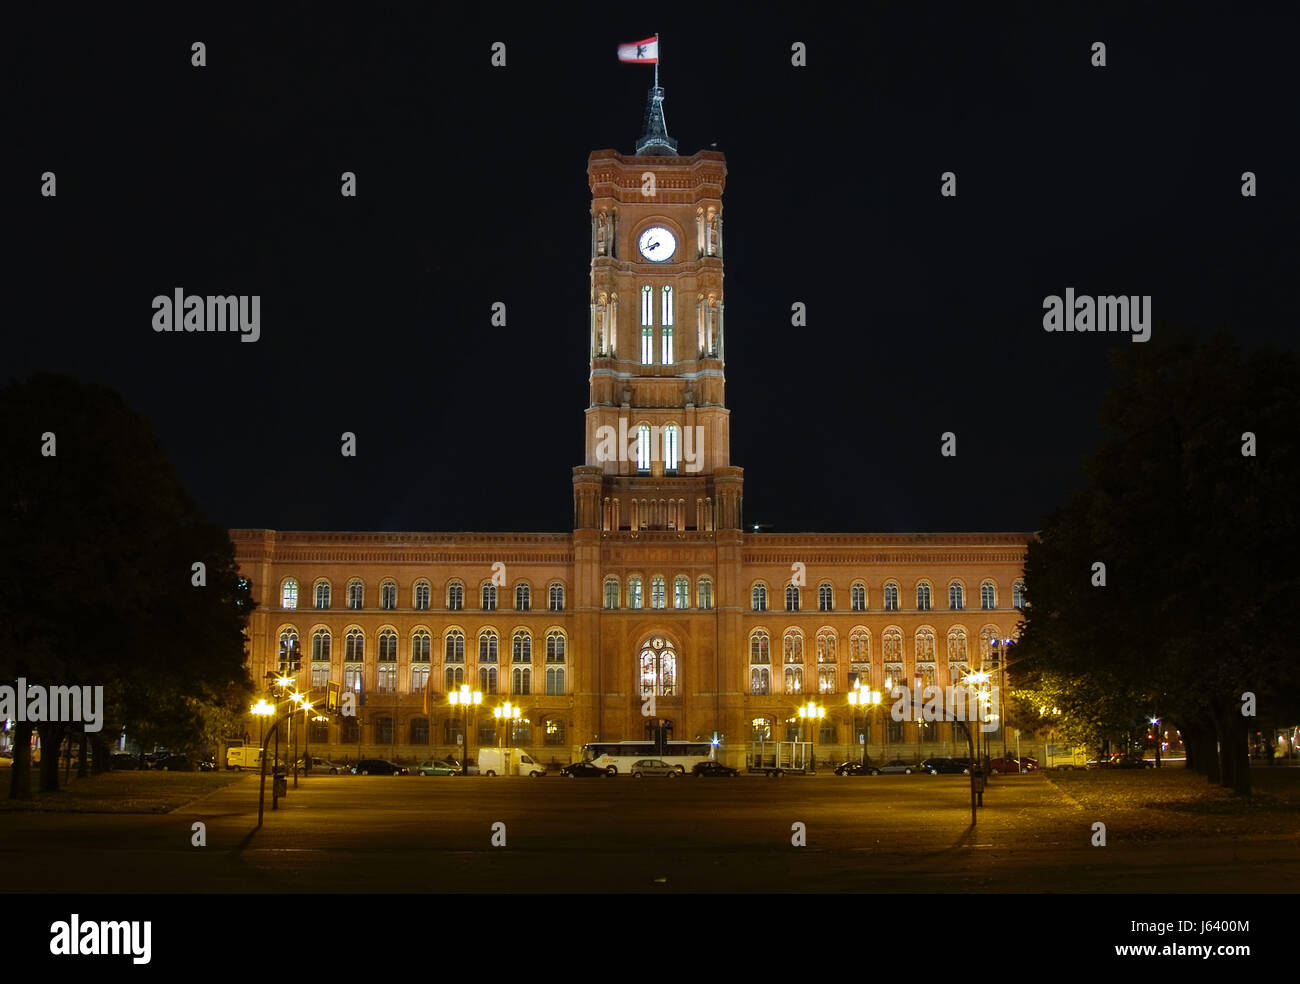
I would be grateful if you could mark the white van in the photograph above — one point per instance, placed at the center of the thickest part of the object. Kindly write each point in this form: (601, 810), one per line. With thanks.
(508, 762)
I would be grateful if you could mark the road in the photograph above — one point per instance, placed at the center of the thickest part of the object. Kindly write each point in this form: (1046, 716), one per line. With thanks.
(434, 834)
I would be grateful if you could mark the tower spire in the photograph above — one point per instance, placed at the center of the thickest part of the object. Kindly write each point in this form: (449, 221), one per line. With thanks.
(655, 141)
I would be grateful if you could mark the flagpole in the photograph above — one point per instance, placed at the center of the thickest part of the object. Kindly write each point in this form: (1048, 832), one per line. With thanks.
(657, 43)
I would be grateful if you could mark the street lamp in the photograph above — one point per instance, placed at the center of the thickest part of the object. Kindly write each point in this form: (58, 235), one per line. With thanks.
(506, 715)
(813, 712)
(469, 700)
(867, 700)
(262, 710)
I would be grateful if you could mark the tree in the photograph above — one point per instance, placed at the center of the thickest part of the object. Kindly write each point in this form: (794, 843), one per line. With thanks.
(1198, 540)
(97, 543)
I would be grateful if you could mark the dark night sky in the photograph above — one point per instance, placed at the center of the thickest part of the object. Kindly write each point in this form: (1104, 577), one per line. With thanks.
(925, 314)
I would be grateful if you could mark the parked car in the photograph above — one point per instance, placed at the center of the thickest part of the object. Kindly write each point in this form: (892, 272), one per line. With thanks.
(124, 761)
(320, 765)
(437, 767)
(653, 767)
(946, 767)
(585, 770)
(174, 763)
(377, 767)
(1000, 766)
(713, 769)
(856, 769)
(1028, 763)
(899, 766)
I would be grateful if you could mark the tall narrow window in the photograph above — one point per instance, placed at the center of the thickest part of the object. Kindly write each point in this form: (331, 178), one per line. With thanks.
(634, 592)
(289, 595)
(858, 597)
(489, 596)
(825, 598)
(681, 592)
(658, 587)
(320, 659)
(956, 596)
(791, 598)
(1018, 594)
(672, 442)
(521, 647)
(557, 597)
(988, 595)
(421, 649)
(647, 325)
(455, 596)
(891, 597)
(523, 597)
(923, 597)
(555, 664)
(454, 658)
(760, 597)
(667, 322)
(643, 448)
(323, 594)
(356, 594)
(388, 595)
(422, 596)
(611, 593)
(704, 593)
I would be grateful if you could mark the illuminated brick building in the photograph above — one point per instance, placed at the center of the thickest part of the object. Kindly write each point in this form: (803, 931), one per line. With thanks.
(659, 588)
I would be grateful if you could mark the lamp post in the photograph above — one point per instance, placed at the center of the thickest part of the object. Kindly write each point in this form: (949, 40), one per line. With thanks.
(262, 710)
(814, 712)
(468, 700)
(868, 700)
(507, 714)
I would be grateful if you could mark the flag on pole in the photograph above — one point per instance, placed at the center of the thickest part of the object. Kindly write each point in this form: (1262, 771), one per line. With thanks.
(644, 52)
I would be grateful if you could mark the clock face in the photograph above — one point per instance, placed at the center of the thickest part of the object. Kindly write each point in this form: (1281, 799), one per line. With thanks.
(657, 244)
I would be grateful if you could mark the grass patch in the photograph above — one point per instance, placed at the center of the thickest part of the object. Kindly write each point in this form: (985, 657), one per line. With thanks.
(1172, 802)
(120, 792)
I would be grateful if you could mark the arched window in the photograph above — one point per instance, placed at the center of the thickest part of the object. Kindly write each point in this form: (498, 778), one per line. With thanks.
(487, 646)
(956, 596)
(555, 659)
(681, 592)
(521, 647)
(666, 320)
(1018, 595)
(858, 597)
(891, 596)
(704, 593)
(658, 668)
(454, 658)
(658, 592)
(387, 669)
(356, 593)
(289, 593)
(827, 645)
(556, 599)
(421, 651)
(672, 448)
(793, 676)
(290, 653)
(643, 448)
(523, 597)
(791, 598)
(760, 664)
(825, 597)
(923, 597)
(647, 325)
(760, 597)
(958, 655)
(988, 595)
(489, 596)
(860, 657)
(322, 594)
(611, 593)
(455, 596)
(793, 679)
(990, 645)
(388, 595)
(924, 645)
(320, 658)
(634, 592)
(422, 595)
(354, 646)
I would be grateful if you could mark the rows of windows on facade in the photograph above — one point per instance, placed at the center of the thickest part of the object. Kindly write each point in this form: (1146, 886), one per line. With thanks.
(556, 644)
(634, 598)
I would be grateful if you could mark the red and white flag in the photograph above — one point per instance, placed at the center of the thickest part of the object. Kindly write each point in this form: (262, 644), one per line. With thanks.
(644, 52)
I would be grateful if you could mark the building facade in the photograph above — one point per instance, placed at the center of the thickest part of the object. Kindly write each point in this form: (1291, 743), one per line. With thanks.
(659, 613)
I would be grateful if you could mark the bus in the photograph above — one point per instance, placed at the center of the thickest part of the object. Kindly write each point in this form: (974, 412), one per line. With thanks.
(617, 757)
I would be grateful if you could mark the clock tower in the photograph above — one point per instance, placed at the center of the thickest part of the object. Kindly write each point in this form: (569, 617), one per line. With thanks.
(657, 435)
